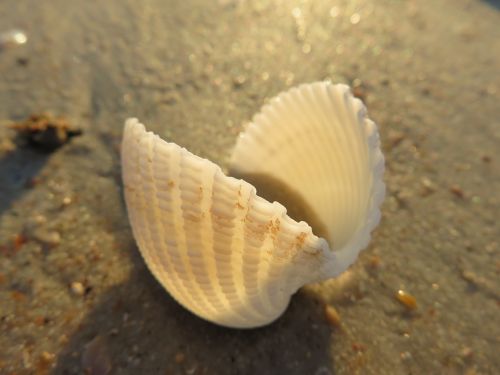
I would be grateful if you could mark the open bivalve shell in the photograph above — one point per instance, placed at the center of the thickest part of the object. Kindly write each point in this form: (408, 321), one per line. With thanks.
(232, 257)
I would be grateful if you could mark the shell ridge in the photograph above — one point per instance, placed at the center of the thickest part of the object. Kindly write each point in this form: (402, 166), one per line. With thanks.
(148, 238)
(162, 251)
(209, 176)
(220, 219)
(360, 143)
(252, 221)
(195, 193)
(246, 195)
(314, 98)
(304, 259)
(163, 278)
(145, 237)
(339, 96)
(235, 256)
(347, 162)
(163, 216)
(195, 189)
(226, 265)
(180, 234)
(302, 105)
(268, 247)
(338, 166)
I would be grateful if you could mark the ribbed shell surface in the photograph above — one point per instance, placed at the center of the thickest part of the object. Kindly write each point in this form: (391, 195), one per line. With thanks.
(230, 256)
(317, 140)
(221, 251)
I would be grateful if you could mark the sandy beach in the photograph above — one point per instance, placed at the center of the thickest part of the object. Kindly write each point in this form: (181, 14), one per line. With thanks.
(76, 296)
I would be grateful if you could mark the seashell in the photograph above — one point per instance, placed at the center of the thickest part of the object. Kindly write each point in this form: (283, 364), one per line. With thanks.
(231, 256)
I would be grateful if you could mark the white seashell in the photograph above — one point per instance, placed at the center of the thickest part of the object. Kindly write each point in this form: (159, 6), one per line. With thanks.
(230, 256)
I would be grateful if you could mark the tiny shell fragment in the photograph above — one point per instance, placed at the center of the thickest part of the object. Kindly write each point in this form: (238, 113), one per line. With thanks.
(409, 301)
(457, 191)
(77, 288)
(19, 240)
(45, 362)
(332, 316)
(179, 357)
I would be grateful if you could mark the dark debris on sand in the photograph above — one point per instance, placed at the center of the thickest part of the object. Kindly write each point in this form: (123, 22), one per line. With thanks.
(45, 132)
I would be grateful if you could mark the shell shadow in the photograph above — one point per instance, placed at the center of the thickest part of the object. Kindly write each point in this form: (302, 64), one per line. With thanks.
(18, 169)
(141, 329)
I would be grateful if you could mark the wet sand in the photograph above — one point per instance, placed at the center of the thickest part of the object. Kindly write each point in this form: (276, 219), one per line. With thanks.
(74, 291)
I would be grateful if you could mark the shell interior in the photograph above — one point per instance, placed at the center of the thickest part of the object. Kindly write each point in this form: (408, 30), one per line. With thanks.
(316, 141)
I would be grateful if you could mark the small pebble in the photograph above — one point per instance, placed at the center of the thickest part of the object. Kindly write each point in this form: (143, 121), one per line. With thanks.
(77, 288)
(427, 187)
(45, 362)
(41, 320)
(359, 89)
(467, 353)
(239, 80)
(358, 347)
(50, 238)
(332, 316)
(19, 240)
(306, 48)
(486, 158)
(114, 332)
(405, 356)
(63, 339)
(395, 138)
(334, 12)
(18, 296)
(180, 358)
(374, 262)
(6, 145)
(48, 357)
(39, 219)
(409, 301)
(457, 191)
(355, 18)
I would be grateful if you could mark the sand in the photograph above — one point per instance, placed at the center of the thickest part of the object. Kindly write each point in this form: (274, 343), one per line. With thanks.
(74, 291)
